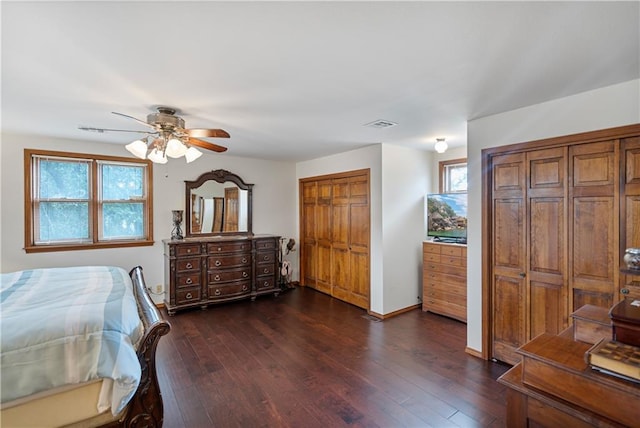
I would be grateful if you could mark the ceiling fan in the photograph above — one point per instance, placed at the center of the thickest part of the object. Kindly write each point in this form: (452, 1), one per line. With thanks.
(167, 137)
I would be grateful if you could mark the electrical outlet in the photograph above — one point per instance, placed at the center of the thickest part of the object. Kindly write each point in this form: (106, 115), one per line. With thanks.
(159, 288)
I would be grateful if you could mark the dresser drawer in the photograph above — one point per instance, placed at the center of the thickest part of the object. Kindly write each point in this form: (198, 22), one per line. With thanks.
(221, 261)
(446, 308)
(190, 264)
(443, 268)
(228, 247)
(446, 291)
(188, 280)
(228, 290)
(187, 295)
(451, 251)
(215, 277)
(431, 248)
(265, 269)
(187, 250)
(266, 257)
(431, 257)
(265, 244)
(443, 278)
(265, 283)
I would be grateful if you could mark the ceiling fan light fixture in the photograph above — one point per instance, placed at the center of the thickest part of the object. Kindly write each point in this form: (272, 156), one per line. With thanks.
(192, 154)
(157, 156)
(138, 148)
(441, 145)
(175, 148)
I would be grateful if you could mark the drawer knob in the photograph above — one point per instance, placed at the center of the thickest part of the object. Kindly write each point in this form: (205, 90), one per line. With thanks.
(244, 260)
(219, 249)
(189, 266)
(188, 250)
(266, 258)
(216, 278)
(245, 274)
(188, 281)
(218, 263)
(244, 288)
(266, 284)
(217, 292)
(266, 270)
(189, 296)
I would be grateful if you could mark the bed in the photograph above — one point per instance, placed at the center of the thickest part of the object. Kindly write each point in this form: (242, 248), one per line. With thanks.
(78, 348)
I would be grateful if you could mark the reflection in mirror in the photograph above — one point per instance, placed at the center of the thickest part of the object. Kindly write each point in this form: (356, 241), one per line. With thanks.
(218, 202)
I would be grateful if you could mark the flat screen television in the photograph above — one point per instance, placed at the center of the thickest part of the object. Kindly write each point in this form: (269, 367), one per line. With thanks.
(447, 217)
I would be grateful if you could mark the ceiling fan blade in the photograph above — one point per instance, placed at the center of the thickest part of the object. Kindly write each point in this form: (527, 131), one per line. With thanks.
(136, 119)
(206, 145)
(204, 133)
(101, 130)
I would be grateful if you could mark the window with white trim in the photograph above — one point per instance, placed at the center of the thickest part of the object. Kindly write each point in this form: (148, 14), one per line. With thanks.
(79, 201)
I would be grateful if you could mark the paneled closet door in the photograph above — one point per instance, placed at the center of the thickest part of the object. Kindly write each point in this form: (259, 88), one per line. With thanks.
(509, 297)
(335, 232)
(350, 240)
(529, 242)
(546, 276)
(323, 236)
(309, 261)
(630, 207)
(594, 229)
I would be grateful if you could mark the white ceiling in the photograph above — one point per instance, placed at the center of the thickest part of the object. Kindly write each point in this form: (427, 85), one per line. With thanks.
(298, 80)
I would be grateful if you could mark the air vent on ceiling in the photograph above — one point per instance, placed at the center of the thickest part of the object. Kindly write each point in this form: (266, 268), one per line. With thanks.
(380, 123)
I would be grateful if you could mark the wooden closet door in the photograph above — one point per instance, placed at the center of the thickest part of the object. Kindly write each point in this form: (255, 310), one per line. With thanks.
(335, 223)
(509, 297)
(350, 240)
(546, 275)
(630, 208)
(324, 236)
(594, 210)
(309, 262)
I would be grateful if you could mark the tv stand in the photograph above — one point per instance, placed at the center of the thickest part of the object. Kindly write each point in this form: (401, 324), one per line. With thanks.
(444, 279)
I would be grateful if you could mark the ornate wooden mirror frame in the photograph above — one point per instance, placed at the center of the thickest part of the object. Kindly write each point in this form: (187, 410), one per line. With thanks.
(226, 207)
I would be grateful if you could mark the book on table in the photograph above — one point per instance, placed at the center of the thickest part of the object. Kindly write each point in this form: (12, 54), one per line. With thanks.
(615, 358)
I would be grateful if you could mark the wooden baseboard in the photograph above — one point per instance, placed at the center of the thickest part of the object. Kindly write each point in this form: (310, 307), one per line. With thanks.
(394, 313)
(474, 353)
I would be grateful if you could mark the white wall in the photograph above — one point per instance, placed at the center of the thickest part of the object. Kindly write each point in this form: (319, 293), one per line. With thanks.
(405, 182)
(274, 202)
(615, 105)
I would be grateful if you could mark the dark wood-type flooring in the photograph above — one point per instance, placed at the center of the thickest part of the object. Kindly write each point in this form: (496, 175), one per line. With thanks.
(306, 360)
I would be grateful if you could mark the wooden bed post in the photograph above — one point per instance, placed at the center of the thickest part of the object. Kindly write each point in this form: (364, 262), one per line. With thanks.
(145, 408)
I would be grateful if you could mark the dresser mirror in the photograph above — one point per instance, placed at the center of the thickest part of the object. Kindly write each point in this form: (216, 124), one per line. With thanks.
(218, 203)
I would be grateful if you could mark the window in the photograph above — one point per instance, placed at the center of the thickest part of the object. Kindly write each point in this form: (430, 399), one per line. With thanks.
(453, 176)
(77, 201)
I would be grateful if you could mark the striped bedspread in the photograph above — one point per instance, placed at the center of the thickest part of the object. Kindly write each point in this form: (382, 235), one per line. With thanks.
(64, 326)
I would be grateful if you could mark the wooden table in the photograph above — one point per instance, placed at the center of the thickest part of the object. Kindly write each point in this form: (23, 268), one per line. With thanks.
(553, 386)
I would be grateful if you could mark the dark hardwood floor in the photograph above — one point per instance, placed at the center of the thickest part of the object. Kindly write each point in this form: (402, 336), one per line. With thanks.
(306, 360)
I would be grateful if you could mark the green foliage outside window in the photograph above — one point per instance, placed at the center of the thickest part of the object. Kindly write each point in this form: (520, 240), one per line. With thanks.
(67, 208)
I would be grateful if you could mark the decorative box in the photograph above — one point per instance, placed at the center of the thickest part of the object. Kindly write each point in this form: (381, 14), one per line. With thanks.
(625, 317)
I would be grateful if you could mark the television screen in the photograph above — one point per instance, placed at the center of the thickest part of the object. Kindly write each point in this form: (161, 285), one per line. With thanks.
(447, 217)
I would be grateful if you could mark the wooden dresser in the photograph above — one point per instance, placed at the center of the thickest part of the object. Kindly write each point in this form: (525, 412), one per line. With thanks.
(444, 279)
(204, 271)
